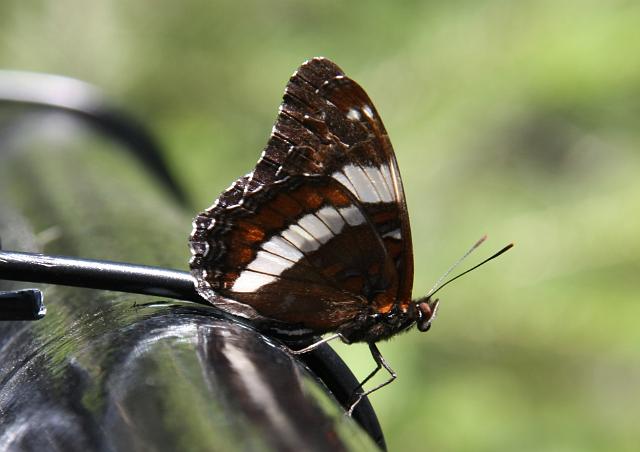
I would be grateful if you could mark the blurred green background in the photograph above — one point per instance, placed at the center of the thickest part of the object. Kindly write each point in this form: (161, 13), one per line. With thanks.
(518, 119)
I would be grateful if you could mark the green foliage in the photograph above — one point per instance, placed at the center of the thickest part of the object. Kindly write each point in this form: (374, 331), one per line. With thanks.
(518, 119)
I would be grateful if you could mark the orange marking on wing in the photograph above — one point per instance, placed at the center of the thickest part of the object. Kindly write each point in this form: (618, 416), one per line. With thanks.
(385, 216)
(250, 233)
(240, 256)
(286, 206)
(384, 302)
(237, 240)
(228, 279)
(336, 197)
(308, 197)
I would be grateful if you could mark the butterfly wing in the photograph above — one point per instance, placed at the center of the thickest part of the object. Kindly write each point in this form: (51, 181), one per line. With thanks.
(300, 251)
(327, 130)
(328, 125)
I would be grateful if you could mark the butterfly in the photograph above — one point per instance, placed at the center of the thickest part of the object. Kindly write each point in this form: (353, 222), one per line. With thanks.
(316, 239)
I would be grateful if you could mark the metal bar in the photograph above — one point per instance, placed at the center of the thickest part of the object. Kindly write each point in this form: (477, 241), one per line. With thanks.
(98, 274)
(78, 98)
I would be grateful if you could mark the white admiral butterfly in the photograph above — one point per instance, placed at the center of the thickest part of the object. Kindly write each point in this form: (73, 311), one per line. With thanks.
(316, 239)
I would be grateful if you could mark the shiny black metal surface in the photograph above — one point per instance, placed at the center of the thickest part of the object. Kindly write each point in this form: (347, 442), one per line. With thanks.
(98, 274)
(26, 304)
(160, 377)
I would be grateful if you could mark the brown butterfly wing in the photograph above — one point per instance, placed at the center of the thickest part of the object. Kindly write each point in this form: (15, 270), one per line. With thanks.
(327, 125)
(300, 251)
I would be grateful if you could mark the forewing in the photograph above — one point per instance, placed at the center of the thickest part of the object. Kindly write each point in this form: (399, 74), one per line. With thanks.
(328, 125)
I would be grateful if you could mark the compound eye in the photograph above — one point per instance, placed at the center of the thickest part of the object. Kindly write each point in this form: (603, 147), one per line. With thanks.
(427, 311)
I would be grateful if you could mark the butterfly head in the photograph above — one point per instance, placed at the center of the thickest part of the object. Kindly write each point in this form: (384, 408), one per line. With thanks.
(378, 326)
(425, 310)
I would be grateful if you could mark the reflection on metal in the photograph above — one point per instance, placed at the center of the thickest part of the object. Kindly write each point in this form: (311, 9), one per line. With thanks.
(49, 90)
(135, 375)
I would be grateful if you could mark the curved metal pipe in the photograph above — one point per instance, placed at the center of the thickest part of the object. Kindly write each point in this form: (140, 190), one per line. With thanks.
(55, 92)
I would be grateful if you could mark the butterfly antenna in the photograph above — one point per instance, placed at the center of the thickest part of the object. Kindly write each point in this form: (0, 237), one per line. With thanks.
(436, 288)
(455, 264)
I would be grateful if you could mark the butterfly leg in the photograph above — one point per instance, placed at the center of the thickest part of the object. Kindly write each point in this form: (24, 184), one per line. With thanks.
(369, 377)
(380, 363)
(317, 344)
